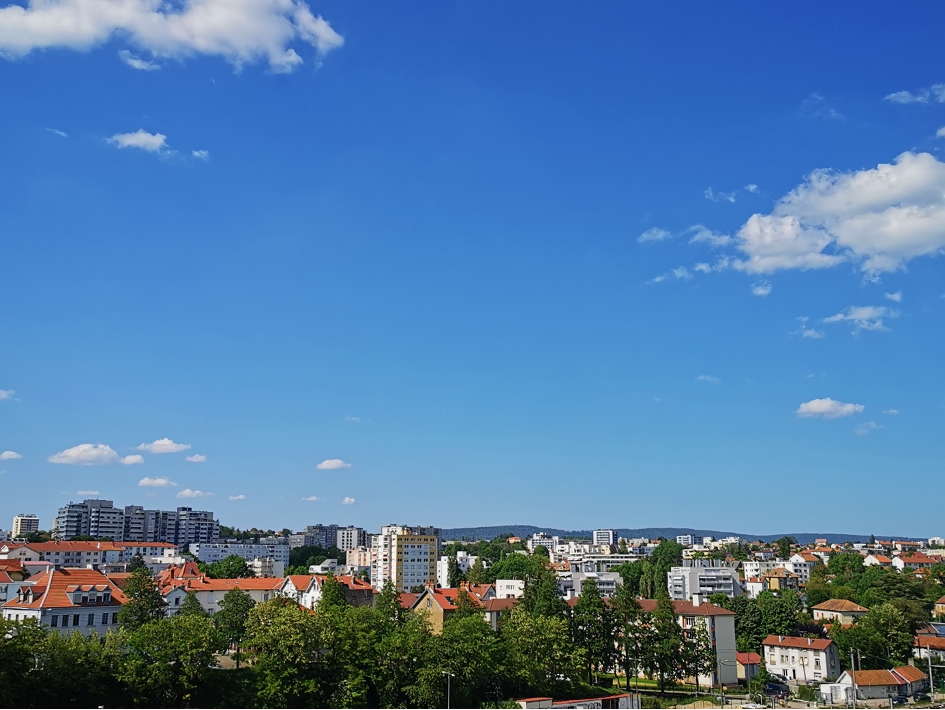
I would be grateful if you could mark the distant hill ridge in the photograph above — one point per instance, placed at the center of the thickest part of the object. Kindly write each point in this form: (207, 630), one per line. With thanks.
(489, 532)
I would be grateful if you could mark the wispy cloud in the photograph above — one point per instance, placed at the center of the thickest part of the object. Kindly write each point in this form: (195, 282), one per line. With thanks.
(812, 333)
(897, 296)
(708, 378)
(329, 464)
(163, 446)
(654, 235)
(239, 497)
(703, 235)
(348, 500)
(86, 493)
(719, 196)
(866, 428)
(816, 106)
(940, 133)
(761, 288)
(156, 482)
(864, 317)
(311, 499)
(136, 62)
(201, 154)
(6, 394)
(196, 458)
(9, 456)
(189, 493)
(352, 419)
(892, 412)
(141, 139)
(93, 455)
(935, 93)
(828, 408)
(57, 132)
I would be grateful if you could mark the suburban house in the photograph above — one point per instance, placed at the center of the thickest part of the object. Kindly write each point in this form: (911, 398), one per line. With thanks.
(509, 588)
(939, 610)
(494, 608)
(67, 600)
(801, 658)
(873, 685)
(720, 625)
(175, 582)
(877, 559)
(779, 580)
(914, 561)
(840, 611)
(439, 604)
(925, 646)
(748, 665)
(14, 568)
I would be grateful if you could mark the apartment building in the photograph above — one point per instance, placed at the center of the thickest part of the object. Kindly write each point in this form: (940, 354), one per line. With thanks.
(351, 537)
(68, 600)
(800, 658)
(323, 536)
(699, 578)
(92, 517)
(541, 539)
(24, 524)
(689, 540)
(464, 562)
(604, 537)
(266, 560)
(405, 555)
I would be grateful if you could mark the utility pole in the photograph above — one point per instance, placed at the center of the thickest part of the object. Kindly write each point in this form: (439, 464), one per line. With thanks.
(928, 653)
(853, 676)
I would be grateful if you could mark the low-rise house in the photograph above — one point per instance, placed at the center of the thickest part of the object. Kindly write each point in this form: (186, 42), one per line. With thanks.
(176, 582)
(929, 646)
(874, 685)
(75, 554)
(609, 702)
(801, 658)
(914, 561)
(18, 551)
(748, 665)
(939, 609)
(838, 610)
(780, 580)
(494, 608)
(509, 588)
(14, 568)
(439, 605)
(877, 560)
(67, 600)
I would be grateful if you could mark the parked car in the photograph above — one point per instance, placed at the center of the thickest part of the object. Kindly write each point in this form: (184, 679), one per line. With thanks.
(898, 700)
(776, 688)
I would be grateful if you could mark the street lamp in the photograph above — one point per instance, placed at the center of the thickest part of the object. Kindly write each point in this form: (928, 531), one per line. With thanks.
(448, 676)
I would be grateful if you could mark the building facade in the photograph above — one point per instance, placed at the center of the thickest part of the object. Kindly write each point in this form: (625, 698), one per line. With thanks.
(800, 658)
(699, 578)
(350, 538)
(24, 524)
(604, 537)
(405, 555)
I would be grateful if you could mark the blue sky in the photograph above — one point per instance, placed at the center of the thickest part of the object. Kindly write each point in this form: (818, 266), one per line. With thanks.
(621, 266)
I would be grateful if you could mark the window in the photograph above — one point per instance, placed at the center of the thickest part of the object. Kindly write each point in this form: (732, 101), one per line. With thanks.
(91, 621)
(75, 619)
(115, 617)
(54, 621)
(784, 658)
(817, 663)
(65, 620)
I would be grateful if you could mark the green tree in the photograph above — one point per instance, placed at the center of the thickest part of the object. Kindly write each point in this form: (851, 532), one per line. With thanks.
(632, 630)
(699, 654)
(231, 619)
(387, 604)
(779, 614)
(72, 670)
(784, 545)
(478, 574)
(170, 661)
(845, 567)
(664, 656)
(540, 657)
(453, 576)
(136, 564)
(232, 567)
(190, 606)
(541, 596)
(592, 628)
(632, 574)
(143, 601)
(18, 643)
(333, 593)
(513, 566)
(466, 606)
(541, 551)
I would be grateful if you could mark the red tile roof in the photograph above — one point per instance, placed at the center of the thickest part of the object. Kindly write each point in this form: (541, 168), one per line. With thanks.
(897, 676)
(840, 605)
(5, 578)
(797, 642)
(684, 608)
(72, 546)
(14, 565)
(934, 642)
(748, 659)
(407, 599)
(495, 605)
(54, 589)
(447, 598)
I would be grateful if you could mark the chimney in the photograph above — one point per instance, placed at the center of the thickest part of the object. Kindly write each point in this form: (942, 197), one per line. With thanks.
(780, 638)
(809, 642)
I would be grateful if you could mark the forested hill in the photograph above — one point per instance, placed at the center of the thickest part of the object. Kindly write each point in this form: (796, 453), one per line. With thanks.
(489, 532)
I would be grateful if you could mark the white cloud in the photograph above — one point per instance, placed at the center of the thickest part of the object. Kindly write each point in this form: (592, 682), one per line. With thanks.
(704, 235)
(681, 273)
(86, 493)
(654, 235)
(708, 378)
(92, 455)
(311, 499)
(811, 333)
(761, 288)
(940, 133)
(156, 482)
(662, 277)
(201, 154)
(815, 106)
(864, 317)
(878, 219)
(897, 296)
(239, 497)
(866, 428)
(922, 96)
(163, 446)
(196, 458)
(132, 459)
(188, 493)
(136, 62)
(348, 500)
(241, 32)
(6, 394)
(57, 132)
(329, 464)
(9, 456)
(751, 187)
(352, 419)
(719, 196)
(828, 408)
(150, 142)
(892, 412)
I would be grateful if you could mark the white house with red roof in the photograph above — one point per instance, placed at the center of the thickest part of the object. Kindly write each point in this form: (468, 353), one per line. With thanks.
(873, 685)
(801, 658)
(68, 600)
(175, 582)
(913, 561)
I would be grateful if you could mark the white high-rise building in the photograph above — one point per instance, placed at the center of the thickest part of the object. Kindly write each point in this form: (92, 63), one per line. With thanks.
(464, 561)
(24, 524)
(350, 538)
(698, 579)
(605, 537)
(92, 517)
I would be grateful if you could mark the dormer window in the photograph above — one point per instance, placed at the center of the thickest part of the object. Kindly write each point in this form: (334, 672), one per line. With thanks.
(76, 597)
(106, 597)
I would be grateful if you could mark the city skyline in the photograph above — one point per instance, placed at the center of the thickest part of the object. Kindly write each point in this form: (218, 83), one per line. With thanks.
(462, 265)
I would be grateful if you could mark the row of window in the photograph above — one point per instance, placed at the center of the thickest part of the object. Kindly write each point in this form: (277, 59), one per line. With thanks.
(785, 660)
(77, 619)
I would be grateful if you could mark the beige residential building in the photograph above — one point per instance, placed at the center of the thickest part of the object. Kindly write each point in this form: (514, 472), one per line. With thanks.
(406, 556)
(24, 524)
(842, 610)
